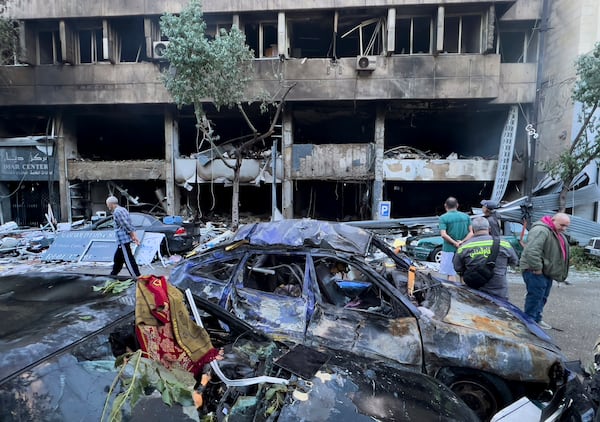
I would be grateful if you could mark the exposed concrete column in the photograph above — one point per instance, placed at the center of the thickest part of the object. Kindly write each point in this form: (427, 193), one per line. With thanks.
(287, 191)
(439, 39)
(377, 195)
(391, 32)
(171, 151)
(281, 35)
(236, 21)
(65, 149)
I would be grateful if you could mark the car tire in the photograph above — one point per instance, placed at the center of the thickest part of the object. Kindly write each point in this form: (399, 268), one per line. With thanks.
(436, 255)
(484, 393)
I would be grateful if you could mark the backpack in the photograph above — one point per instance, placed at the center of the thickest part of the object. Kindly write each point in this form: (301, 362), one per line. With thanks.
(479, 275)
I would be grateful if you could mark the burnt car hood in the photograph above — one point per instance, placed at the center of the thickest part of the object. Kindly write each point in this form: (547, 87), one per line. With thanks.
(485, 329)
(306, 232)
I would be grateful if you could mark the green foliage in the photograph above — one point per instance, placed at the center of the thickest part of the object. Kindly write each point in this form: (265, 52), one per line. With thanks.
(203, 69)
(585, 147)
(8, 39)
(137, 375)
(582, 261)
(114, 286)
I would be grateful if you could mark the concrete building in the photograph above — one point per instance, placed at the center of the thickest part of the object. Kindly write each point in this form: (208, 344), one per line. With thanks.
(401, 101)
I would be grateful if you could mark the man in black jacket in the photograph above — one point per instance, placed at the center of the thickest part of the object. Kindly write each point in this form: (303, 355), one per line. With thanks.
(488, 208)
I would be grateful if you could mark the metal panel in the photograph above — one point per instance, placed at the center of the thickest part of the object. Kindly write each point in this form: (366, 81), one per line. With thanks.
(332, 161)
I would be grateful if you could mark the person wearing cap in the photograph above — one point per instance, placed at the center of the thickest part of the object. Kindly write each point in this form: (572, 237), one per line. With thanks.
(488, 208)
(455, 228)
(475, 251)
(125, 234)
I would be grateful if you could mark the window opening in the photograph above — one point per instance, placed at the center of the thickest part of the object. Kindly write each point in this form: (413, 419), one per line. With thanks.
(49, 47)
(462, 34)
(262, 38)
(413, 35)
(345, 285)
(90, 45)
(279, 274)
(218, 271)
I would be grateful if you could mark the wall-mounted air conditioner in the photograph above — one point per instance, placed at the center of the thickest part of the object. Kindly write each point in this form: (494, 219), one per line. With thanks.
(366, 63)
(158, 49)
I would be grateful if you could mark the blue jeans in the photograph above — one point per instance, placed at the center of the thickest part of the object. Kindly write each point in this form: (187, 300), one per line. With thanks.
(538, 290)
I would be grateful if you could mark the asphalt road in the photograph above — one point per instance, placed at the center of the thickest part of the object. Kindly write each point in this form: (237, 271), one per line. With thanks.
(573, 310)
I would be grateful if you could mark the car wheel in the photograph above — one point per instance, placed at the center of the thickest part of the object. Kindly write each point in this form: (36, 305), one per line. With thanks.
(436, 255)
(484, 393)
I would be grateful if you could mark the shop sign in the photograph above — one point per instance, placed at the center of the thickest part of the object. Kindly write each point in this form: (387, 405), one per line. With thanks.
(27, 163)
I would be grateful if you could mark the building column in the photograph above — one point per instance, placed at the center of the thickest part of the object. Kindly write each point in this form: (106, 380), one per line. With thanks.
(439, 30)
(65, 149)
(171, 151)
(287, 191)
(377, 195)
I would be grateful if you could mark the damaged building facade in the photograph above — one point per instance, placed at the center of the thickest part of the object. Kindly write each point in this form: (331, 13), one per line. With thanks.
(399, 101)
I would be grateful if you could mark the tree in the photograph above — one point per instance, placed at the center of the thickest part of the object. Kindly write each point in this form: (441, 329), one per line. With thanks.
(586, 146)
(202, 71)
(8, 41)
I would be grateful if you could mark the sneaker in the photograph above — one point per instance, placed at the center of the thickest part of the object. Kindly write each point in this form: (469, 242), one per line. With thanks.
(544, 325)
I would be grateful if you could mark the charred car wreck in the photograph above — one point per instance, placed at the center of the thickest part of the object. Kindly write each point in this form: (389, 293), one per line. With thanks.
(57, 364)
(332, 285)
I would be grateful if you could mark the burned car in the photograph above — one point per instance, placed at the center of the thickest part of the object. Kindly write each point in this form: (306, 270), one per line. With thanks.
(57, 364)
(333, 285)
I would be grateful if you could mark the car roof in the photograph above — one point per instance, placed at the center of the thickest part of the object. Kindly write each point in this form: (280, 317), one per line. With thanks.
(306, 232)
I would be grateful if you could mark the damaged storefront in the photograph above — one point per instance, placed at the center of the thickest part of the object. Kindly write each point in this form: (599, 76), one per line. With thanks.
(28, 179)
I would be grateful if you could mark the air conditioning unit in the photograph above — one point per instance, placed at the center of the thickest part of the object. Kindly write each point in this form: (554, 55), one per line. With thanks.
(158, 49)
(368, 63)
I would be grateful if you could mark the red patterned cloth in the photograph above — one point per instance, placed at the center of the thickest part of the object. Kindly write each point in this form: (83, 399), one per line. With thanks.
(165, 330)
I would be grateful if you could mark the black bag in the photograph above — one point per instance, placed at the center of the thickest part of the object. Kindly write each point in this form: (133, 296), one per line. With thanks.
(478, 276)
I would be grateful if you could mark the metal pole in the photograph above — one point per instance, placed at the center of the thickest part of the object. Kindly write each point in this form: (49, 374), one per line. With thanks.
(274, 182)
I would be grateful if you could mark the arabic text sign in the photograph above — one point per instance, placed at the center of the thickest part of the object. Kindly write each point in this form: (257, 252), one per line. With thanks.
(26, 163)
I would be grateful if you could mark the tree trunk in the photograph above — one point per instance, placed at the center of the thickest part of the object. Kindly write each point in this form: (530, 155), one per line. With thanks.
(562, 198)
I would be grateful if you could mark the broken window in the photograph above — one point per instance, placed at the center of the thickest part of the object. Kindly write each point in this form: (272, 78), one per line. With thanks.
(49, 47)
(413, 35)
(220, 271)
(90, 45)
(262, 38)
(275, 273)
(122, 135)
(462, 34)
(311, 36)
(126, 36)
(346, 286)
(518, 46)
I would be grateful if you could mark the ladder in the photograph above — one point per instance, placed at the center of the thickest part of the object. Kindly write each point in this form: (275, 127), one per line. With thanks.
(505, 154)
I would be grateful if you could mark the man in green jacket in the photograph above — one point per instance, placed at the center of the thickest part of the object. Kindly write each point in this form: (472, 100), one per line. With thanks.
(545, 257)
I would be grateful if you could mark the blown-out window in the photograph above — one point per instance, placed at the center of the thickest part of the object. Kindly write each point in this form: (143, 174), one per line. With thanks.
(413, 35)
(49, 47)
(463, 34)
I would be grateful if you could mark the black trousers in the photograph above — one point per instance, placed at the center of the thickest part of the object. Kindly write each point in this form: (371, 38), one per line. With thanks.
(122, 256)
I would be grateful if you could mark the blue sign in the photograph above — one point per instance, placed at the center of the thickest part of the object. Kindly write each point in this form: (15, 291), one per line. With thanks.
(385, 210)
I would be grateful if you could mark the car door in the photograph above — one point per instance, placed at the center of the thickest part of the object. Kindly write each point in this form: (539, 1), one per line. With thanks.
(269, 293)
(354, 311)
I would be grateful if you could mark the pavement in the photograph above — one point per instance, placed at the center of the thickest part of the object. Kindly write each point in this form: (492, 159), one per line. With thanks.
(572, 309)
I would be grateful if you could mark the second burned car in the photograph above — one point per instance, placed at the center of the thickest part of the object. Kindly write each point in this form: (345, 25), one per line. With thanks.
(338, 286)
